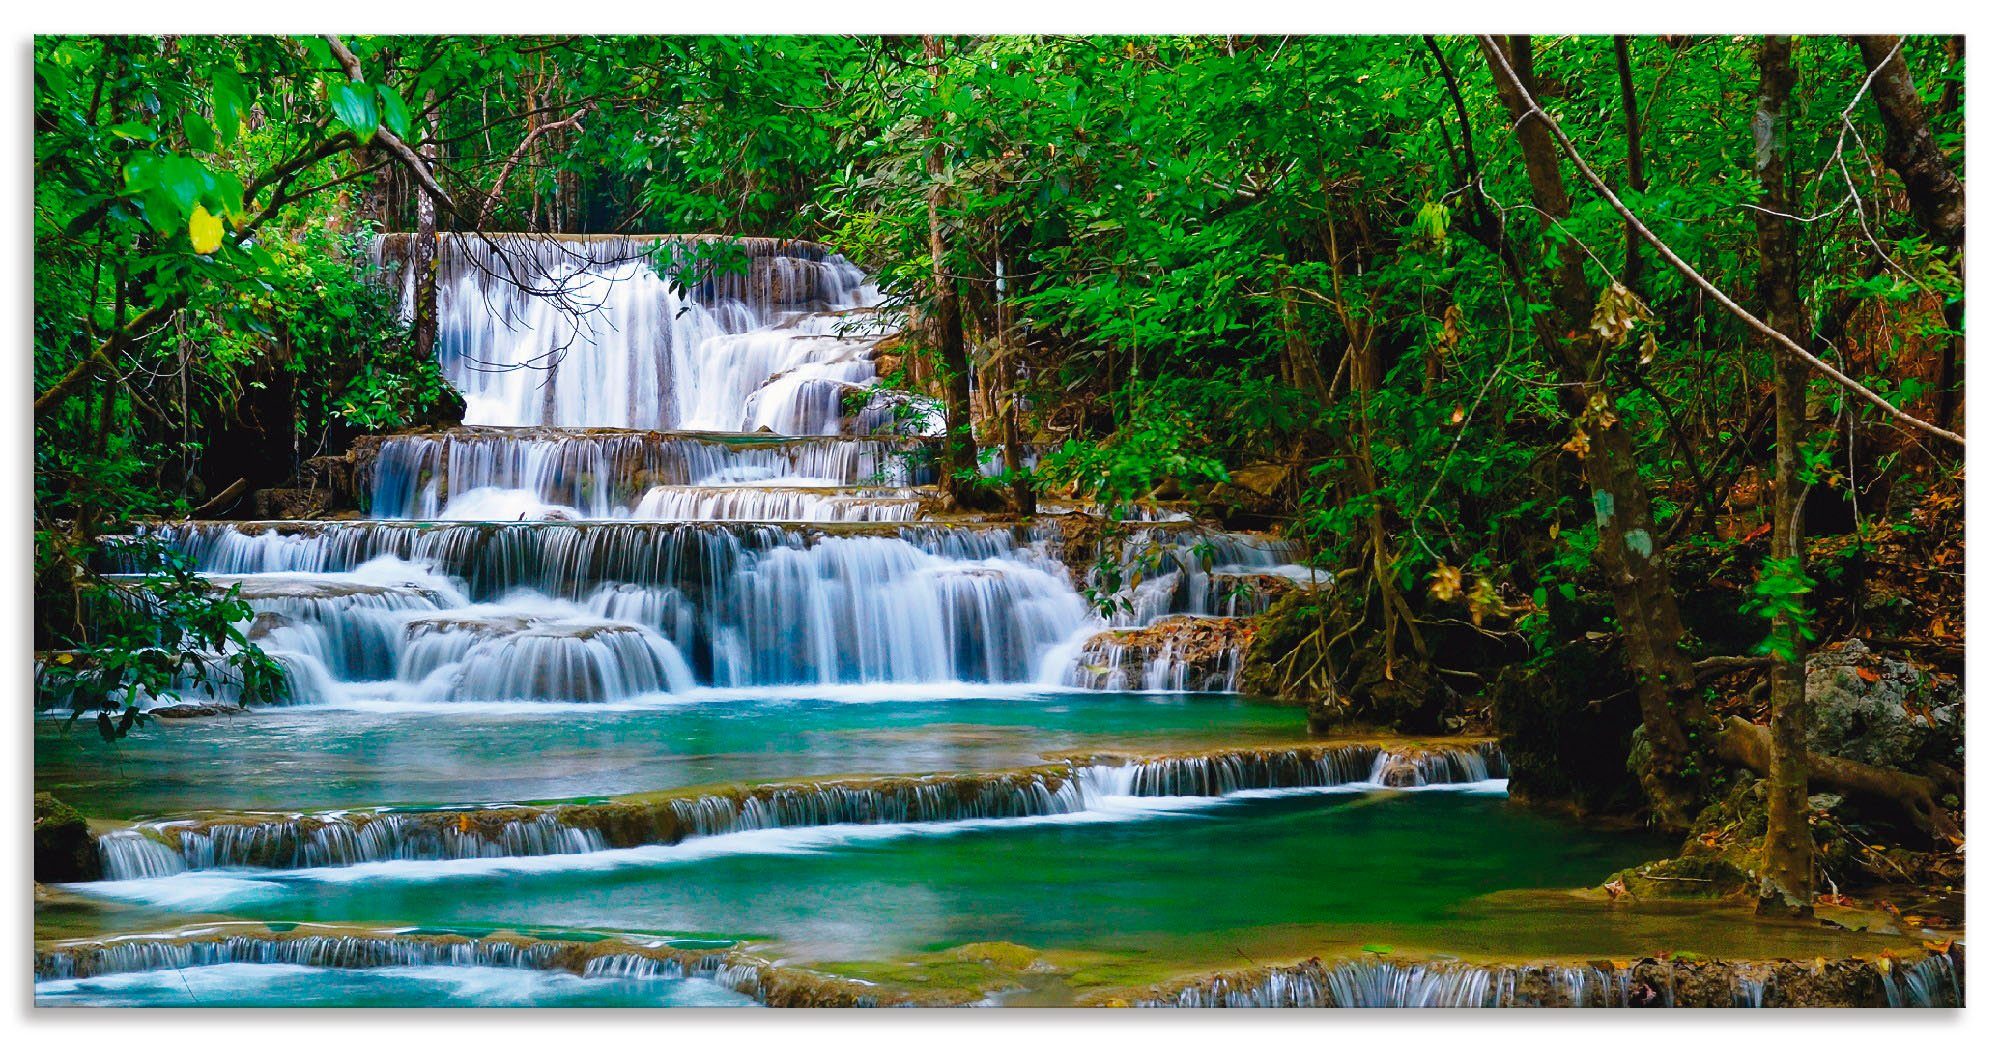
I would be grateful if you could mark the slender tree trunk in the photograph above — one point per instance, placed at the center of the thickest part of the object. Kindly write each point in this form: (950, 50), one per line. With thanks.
(1635, 158)
(960, 465)
(424, 253)
(1786, 887)
(1937, 195)
(1642, 593)
(1008, 334)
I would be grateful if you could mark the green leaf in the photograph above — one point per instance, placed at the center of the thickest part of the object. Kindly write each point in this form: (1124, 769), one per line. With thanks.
(395, 114)
(169, 187)
(199, 134)
(354, 106)
(230, 99)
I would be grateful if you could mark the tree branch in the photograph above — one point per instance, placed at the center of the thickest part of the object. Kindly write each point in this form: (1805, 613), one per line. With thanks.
(1534, 110)
(401, 151)
(521, 150)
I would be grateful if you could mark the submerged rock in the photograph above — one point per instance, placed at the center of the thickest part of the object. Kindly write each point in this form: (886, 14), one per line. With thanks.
(1709, 876)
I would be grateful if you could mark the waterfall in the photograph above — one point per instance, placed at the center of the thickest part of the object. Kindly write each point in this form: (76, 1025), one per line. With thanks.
(609, 474)
(313, 946)
(674, 477)
(1933, 981)
(293, 841)
(590, 332)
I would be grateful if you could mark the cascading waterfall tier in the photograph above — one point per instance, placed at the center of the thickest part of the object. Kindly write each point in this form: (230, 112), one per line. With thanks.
(356, 949)
(288, 841)
(612, 610)
(1176, 653)
(649, 332)
(1930, 981)
(1924, 981)
(498, 473)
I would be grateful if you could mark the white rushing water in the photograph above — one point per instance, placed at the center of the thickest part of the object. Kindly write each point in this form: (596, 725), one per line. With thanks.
(673, 488)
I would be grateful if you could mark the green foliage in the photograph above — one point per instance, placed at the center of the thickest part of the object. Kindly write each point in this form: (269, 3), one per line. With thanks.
(1188, 255)
(158, 634)
(1177, 430)
(1779, 597)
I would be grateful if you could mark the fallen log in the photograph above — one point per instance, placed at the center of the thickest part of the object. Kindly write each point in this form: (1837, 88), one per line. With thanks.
(223, 499)
(1748, 745)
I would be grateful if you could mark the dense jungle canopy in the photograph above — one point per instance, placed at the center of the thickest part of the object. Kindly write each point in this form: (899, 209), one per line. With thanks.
(1607, 379)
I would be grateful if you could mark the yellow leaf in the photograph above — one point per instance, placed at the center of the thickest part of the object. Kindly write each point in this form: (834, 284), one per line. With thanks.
(205, 230)
(1445, 582)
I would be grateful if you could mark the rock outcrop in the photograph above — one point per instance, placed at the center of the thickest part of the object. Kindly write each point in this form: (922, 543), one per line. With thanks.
(1881, 711)
(65, 851)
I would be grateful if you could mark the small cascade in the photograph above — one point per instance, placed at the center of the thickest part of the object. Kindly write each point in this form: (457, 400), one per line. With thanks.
(609, 473)
(1349, 984)
(318, 947)
(1929, 983)
(332, 951)
(349, 624)
(1179, 569)
(754, 503)
(1412, 767)
(1219, 774)
(355, 950)
(338, 838)
(1933, 981)
(1177, 653)
(131, 854)
(331, 840)
(650, 964)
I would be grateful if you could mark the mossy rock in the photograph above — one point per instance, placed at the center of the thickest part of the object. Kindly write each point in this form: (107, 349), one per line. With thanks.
(1002, 954)
(65, 851)
(1697, 876)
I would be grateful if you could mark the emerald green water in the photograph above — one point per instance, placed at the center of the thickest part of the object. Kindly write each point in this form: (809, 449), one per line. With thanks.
(311, 759)
(1191, 879)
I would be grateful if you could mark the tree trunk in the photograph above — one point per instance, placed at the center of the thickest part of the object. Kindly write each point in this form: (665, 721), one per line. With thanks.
(1743, 744)
(1787, 881)
(1020, 488)
(424, 254)
(1937, 195)
(1642, 594)
(959, 469)
(1635, 158)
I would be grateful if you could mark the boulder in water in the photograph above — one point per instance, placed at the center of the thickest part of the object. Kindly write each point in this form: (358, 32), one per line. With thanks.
(65, 852)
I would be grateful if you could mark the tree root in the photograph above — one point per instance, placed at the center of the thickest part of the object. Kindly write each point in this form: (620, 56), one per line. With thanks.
(1748, 745)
